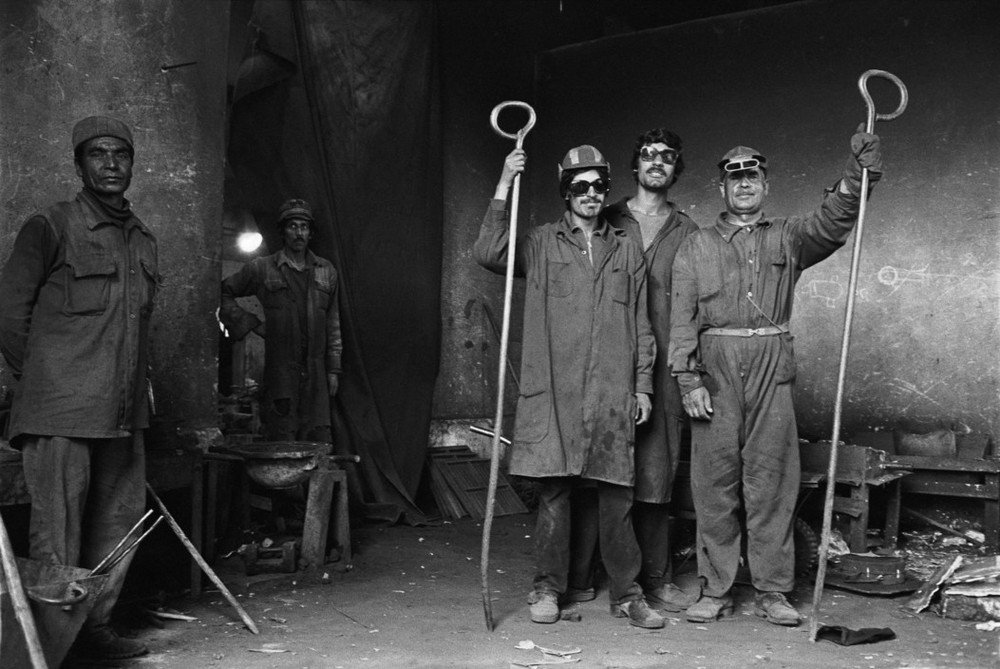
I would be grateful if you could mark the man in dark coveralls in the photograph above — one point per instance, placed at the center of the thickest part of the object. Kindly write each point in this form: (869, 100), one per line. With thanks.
(654, 222)
(75, 301)
(731, 351)
(302, 343)
(586, 375)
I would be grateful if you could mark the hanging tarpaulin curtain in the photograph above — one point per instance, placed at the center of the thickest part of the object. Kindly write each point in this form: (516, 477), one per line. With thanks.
(337, 102)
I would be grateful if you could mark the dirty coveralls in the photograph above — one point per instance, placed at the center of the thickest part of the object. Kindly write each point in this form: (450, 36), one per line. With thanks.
(302, 342)
(749, 449)
(658, 441)
(587, 348)
(75, 302)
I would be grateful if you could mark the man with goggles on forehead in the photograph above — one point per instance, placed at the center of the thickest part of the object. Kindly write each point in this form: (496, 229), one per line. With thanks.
(586, 375)
(652, 221)
(731, 351)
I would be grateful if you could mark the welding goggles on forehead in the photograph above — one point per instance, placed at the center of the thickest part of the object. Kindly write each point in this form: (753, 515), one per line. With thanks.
(740, 163)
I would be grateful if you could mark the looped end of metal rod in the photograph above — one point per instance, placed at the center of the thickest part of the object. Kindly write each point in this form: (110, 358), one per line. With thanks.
(863, 87)
(519, 136)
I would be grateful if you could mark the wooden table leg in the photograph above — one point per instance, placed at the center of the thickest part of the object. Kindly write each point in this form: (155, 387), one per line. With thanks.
(197, 506)
(317, 524)
(891, 533)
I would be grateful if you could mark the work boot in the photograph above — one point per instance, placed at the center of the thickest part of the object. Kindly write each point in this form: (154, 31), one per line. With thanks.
(773, 607)
(580, 595)
(638, 613)
(668, 597)
(708, 609)
(544, 607)
(101, 642)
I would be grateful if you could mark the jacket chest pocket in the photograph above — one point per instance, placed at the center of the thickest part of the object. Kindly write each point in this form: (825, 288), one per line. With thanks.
(621, 287)
(88, 284)
(323, 281)
(275, 295)
(559, 278)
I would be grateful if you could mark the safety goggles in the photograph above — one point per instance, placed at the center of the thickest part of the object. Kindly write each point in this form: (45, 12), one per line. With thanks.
(648, 154)
(600, 186)
(744, 164)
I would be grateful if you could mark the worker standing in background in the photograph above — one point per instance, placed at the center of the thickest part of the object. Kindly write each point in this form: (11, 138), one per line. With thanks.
(301, 328)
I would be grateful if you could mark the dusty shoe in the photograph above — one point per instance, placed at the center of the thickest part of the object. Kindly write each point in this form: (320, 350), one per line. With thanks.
(580, 595)
(773, 607)
(101, 642)
(668, 597)
(708, 609)
(544, 607)
(638, 613)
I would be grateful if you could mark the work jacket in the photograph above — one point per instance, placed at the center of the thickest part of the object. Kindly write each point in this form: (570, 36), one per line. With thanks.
(658, 441)
(295, 362)
(718, 283)
(75, 301)
(587, 348)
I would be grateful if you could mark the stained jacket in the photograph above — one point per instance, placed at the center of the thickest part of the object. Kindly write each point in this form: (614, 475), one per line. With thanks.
(291, 356)
(717, 282)
(587, 347)
(75, 301)
(658, 441)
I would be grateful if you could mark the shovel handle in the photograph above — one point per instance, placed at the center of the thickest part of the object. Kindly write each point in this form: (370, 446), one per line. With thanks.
(872, 115)
(518, 137)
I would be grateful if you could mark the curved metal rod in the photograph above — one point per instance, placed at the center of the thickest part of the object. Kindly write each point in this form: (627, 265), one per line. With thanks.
(519, 136)
(863, 87)
(491, 491)
(852, 284)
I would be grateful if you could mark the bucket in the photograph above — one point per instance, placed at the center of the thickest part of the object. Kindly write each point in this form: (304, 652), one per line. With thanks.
(60, 598)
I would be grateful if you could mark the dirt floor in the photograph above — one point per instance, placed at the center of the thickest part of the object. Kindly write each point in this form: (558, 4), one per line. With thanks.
(413, 599)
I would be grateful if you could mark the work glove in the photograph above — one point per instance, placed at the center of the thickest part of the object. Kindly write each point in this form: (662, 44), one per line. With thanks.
(866, 152)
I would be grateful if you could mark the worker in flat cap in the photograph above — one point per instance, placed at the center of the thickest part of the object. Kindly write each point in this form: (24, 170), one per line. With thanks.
(75, 301)
(731, 351)
(298, 292)
(586, 376)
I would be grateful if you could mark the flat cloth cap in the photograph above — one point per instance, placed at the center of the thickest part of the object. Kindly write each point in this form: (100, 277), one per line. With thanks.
(742, 158)
(295, 208)
(101, 126)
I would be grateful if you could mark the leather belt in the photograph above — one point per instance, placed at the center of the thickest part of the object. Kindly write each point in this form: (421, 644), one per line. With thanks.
(768, 331)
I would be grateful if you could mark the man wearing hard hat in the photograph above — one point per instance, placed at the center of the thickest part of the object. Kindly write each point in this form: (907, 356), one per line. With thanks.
(75, 302)
(586, 375)
(731, 351)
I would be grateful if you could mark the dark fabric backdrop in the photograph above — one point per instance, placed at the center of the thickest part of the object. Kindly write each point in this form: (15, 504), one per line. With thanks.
(337, 102)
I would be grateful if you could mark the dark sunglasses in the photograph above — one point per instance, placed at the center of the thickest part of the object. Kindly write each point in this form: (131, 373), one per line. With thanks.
(649, 154)
(746, 164)
(581, 187)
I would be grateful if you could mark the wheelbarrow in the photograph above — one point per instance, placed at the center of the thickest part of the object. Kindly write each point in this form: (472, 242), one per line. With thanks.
(60, 598)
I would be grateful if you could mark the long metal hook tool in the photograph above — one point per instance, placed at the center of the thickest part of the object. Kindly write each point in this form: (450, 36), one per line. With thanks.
(831, 474)
(491, 491)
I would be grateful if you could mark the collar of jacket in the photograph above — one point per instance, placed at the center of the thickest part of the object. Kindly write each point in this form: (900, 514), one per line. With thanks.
(603, 230)
(95, 216)
(618, 213)
(281, 258)
(728, 230)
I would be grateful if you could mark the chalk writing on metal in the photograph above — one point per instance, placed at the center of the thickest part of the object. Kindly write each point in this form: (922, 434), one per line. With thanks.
(981, 284)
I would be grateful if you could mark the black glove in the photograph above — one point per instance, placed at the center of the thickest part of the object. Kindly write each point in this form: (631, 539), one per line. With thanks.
(866, 152)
